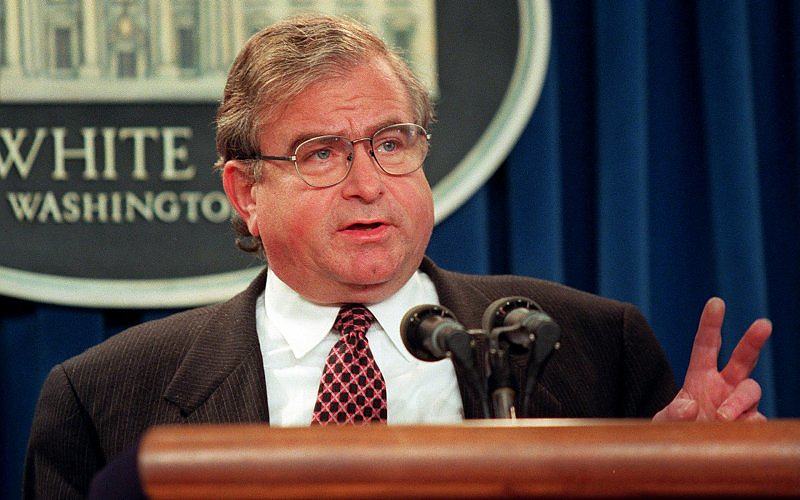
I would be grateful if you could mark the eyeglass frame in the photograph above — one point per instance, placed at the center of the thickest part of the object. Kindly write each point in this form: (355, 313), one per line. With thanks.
(293, 158)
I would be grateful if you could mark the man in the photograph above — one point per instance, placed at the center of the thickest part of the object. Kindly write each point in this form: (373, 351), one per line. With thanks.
(322, 133)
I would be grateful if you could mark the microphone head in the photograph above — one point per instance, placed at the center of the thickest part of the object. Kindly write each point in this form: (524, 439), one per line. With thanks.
(497, 312)
(411, 331)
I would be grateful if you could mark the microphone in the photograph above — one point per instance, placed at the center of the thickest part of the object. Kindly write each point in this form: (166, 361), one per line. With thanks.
(518, 312)
(523, 313)
(518, 323)
(429, 332)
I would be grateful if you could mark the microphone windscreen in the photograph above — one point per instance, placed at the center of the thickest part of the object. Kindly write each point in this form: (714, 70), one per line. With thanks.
(415, 326)
(495, 315)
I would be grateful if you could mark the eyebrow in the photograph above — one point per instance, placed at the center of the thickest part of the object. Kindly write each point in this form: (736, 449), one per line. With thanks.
(303, 138)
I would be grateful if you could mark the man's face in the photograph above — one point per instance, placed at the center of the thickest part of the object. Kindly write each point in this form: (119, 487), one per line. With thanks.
(357, 241)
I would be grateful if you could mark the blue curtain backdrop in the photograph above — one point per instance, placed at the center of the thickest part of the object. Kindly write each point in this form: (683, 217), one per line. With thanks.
(660, 167)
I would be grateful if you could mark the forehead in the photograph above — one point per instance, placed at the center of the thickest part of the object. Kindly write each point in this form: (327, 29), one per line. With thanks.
(352, 103)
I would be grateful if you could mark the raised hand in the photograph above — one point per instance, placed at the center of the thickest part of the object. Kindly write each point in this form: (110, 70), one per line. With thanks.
(710, 394)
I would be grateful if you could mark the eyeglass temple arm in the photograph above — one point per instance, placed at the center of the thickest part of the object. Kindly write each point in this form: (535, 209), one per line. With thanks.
(281, 158)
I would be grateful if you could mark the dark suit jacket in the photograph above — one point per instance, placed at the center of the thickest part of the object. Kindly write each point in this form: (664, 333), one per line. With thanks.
(205, 366)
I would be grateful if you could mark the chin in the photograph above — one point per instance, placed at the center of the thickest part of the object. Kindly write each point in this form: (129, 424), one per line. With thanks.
(370, 277)
(375, 274)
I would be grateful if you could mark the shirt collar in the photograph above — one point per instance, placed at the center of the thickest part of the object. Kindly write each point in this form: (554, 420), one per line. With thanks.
(389, 313)
(304, 324)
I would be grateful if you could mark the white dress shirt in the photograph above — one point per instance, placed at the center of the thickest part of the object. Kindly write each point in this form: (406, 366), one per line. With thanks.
(296, 336)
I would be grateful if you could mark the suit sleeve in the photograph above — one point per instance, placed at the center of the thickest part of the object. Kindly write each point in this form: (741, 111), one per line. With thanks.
(649, 383)
(63, 452)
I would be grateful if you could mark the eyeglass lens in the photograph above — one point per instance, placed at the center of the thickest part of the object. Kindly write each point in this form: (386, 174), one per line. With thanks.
(398, 149)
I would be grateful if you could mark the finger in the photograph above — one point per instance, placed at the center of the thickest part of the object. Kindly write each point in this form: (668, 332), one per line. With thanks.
(753, 416)
(745, 397)
(705, 349)
(745, 355)
(682, 409)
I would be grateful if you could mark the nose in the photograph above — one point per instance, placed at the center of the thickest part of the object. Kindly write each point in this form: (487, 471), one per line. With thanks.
(365, 180)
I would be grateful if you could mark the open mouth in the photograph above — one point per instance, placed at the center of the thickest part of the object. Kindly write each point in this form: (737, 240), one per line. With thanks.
(358, 226)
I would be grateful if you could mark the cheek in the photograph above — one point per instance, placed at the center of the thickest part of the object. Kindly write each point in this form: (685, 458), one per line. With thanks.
(417, 199)
(290, 221)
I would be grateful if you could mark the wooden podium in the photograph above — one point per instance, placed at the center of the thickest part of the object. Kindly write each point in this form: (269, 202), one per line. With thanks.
(545, 458)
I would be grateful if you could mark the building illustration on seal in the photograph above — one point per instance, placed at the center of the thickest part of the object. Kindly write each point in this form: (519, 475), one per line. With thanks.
(169, 50)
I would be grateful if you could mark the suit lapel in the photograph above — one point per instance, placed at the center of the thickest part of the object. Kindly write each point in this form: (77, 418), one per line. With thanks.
(221, 378)
(460, 295)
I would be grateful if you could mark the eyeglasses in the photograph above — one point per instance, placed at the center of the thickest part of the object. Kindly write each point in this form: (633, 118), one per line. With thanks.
(326, 160)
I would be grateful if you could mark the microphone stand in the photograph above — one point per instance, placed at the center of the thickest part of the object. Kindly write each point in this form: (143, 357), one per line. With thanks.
(532, 332)
(501, 382)
(460, 350)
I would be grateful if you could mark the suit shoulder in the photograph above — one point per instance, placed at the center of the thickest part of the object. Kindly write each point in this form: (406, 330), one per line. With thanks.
(548, 294)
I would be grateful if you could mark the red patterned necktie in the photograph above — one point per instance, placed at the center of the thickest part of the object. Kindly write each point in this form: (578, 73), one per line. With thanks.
(352, 389)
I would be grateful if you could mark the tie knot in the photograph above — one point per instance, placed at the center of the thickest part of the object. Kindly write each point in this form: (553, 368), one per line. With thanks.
(353, 319)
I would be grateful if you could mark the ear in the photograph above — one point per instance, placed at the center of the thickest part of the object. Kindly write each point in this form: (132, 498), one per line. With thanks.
(240, 190)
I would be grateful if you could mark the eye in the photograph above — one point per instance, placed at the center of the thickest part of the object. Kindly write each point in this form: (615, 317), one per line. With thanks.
(321, 154)
(389, 146)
